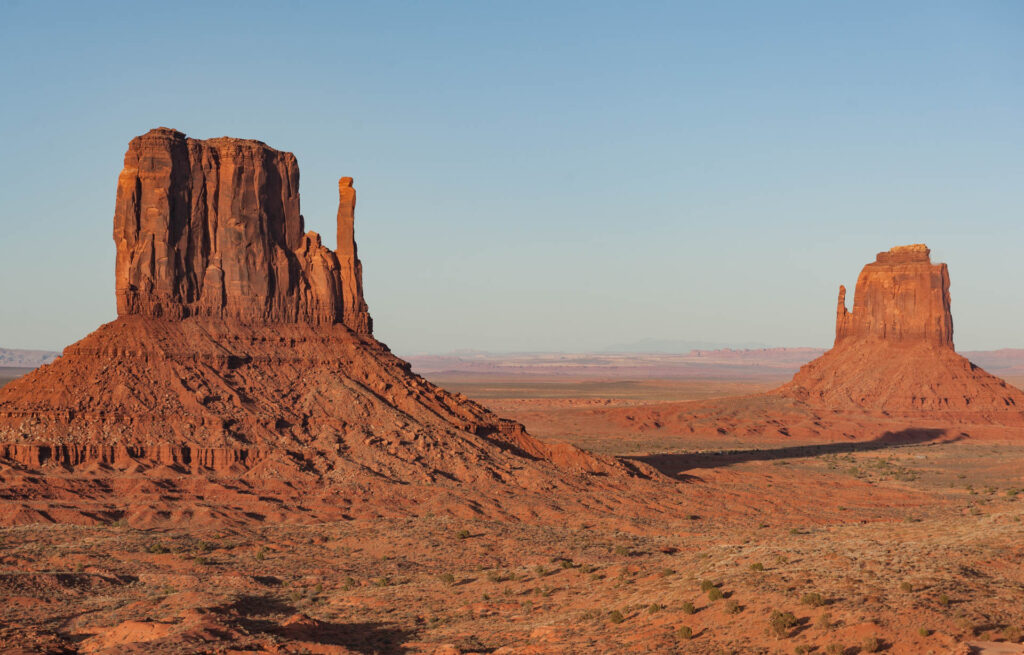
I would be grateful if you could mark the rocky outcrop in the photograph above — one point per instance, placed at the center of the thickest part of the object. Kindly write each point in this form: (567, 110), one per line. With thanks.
(243, 349)
(212, 228)
(894, 351)
(901, 297)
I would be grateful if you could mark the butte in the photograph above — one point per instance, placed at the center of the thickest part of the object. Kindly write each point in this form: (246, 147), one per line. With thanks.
(892, 374)
(241, 379)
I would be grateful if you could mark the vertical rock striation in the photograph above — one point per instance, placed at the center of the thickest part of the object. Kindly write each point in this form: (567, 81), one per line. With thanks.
(212, 228)
(900, 297)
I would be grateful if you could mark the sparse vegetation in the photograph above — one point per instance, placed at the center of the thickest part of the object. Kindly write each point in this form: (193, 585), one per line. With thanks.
(812, 599)
(780, 623)
(906, 587)
(732, 606)
(688, 608)
(462, 534)
(684, 632)
(706, 585)
(615, 616)
(871, 645)
(714, 593)
(757, 566)
(447, 579)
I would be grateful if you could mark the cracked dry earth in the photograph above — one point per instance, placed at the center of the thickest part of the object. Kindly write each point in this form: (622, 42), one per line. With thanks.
(902, 549)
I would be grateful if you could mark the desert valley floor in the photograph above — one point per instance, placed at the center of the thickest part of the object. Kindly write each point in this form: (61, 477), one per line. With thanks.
(905, 543)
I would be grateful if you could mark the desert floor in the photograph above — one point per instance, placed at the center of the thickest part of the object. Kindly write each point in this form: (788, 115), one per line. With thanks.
(850, 546)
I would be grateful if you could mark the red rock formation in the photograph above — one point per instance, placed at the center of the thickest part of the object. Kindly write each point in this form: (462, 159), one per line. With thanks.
(894, 351)
(212, 228)
(242, 346)
(900, 297)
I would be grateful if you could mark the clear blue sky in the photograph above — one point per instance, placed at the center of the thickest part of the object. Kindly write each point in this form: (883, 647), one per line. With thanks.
(544, 175)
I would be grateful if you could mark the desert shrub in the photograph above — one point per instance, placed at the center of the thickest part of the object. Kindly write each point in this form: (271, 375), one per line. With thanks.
(707, 585)
(566, 563)
(906, 587)
(615, 616)
(688, 608)
(462, 534)
(540, 571)
(1011, 633)
(693, 517)
(780, 623)
(157, 548)
(654, 608)
(385, 581)
(924, 632)
(261, 554)
(871, 645)
(944, 600)
(795, 531)
(802, 650)
(824, 621)
(812, 599)
(714, 593)
(447, 579)
(685, 632)
(834, 649)
(665, 573)
(495, 576)
(732, 606)
(757, 566)
(200, 561)
(621, 550)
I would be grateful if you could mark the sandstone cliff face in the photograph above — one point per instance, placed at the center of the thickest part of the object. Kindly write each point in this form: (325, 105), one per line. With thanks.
(900, 298)
(894, 352)
(212, 228)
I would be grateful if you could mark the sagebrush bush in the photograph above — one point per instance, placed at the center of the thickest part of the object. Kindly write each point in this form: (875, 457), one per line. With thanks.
(780, 623)
(813, 599)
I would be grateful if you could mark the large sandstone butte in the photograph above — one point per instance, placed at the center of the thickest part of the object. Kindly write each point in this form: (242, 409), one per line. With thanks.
(894, 351)
(243, 350)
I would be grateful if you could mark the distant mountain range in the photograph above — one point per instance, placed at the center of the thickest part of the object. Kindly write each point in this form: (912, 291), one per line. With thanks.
(26, 358)
(675, 346)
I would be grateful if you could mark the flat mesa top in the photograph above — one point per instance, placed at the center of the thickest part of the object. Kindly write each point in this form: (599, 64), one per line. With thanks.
(917, 252)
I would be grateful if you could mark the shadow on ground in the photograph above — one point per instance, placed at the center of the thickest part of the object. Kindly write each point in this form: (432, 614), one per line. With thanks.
(675, 465)
(272, 616)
